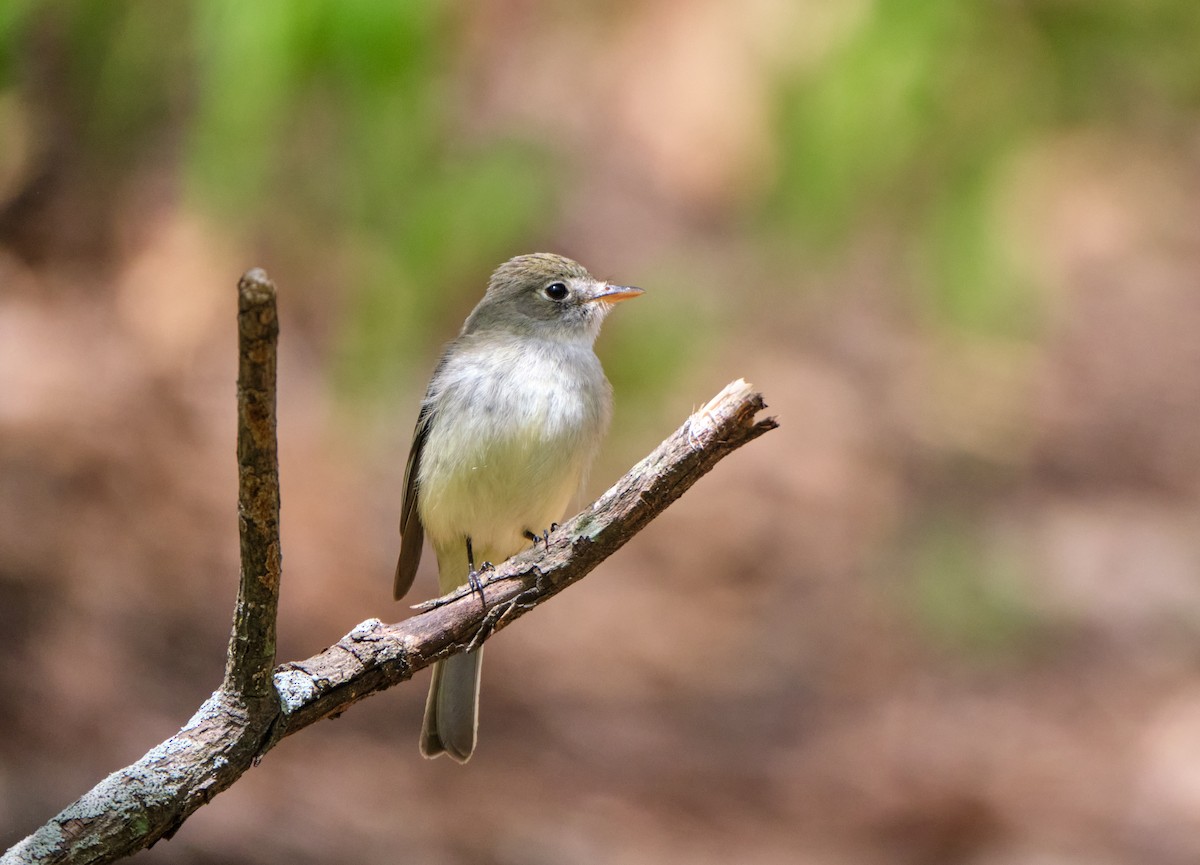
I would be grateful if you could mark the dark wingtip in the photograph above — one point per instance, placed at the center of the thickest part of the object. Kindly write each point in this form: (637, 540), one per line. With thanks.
(403, 582)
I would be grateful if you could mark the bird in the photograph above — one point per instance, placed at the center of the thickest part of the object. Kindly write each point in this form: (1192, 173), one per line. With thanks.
(511, 420)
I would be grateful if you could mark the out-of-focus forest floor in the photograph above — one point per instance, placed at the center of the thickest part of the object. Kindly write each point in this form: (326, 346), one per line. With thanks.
(947, 613)
(763, 675)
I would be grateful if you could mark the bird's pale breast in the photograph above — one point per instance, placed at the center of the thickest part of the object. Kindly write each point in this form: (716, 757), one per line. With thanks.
(527, 421)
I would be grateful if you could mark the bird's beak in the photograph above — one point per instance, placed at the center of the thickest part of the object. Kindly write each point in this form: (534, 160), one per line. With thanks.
(616, 293)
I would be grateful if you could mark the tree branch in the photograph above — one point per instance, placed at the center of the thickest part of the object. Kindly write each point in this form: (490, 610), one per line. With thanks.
(136, 806)
(375, 656)
(252, 643)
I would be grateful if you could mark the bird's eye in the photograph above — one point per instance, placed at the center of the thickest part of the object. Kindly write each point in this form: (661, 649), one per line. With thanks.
(556, 291)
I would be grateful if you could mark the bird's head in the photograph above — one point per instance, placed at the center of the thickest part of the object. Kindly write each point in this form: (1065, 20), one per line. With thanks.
(548, 296)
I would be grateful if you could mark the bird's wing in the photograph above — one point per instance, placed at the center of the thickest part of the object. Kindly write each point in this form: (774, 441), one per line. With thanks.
(412, 533)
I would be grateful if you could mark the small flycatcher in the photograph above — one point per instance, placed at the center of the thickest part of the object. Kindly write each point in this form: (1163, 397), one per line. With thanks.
(510, 423)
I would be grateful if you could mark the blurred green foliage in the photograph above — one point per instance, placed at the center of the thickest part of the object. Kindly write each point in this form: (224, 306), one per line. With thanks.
(341, 130)
(326, 127)
(343, 111)
(14, 15)
(99, 73)
(911, 120)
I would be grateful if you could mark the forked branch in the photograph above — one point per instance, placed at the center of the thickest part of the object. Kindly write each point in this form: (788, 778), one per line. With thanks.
(136, 806)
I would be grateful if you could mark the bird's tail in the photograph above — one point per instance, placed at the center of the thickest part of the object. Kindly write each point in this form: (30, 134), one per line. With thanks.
(452, 710)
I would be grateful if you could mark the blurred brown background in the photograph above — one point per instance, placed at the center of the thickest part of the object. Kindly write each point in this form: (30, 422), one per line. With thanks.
(948, 613)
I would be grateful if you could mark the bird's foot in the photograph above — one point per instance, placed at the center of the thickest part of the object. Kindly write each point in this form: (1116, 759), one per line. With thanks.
(473, 586)
(476, 584)
(497, 614)
(544, 537)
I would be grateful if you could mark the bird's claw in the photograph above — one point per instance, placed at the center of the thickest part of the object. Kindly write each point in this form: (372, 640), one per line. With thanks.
(476, 584)
(499, 613)
(544, 537)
